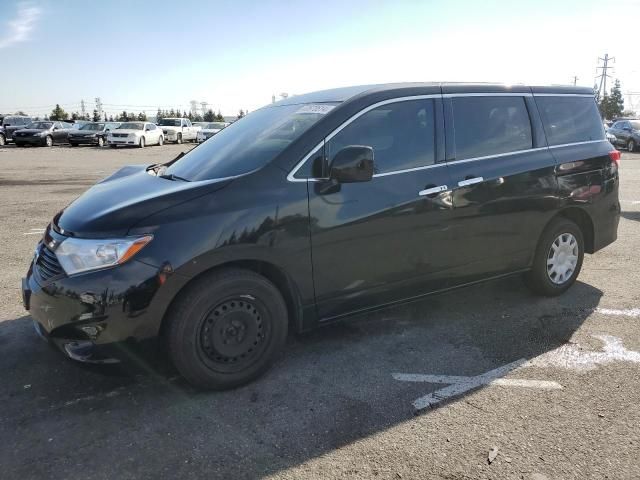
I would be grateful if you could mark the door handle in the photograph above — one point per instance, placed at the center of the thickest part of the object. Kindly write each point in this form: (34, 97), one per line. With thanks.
(470, 181)
(433, 190)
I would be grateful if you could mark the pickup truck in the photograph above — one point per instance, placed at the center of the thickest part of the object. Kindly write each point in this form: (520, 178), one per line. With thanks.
(178, 130)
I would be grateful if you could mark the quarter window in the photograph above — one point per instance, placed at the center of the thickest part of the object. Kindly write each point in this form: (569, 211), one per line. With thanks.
(401, 134)
(487, 126)
(570, 119)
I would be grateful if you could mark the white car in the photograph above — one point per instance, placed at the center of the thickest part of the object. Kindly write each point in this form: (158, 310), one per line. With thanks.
(178, 130)
(139, 134)
(210, 129)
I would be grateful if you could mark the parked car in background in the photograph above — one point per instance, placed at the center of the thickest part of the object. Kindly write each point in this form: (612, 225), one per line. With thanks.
(13, 123)
(324, 205)
(626, 134)
(178, 130)
(3, 137)
(92, 133)
(43, 133)
(139, 134)
(208, 130)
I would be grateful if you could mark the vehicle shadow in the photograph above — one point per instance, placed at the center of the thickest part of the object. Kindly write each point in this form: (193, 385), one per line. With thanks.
(332, 387)
(631, 215)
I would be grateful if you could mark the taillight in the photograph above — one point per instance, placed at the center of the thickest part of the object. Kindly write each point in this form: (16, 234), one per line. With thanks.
(614, 155)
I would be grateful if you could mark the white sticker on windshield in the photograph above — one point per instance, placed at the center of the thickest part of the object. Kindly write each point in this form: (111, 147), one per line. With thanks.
(315, 108)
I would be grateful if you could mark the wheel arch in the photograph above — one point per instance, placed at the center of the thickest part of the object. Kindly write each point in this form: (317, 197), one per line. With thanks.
(584, 221)
(269, 270)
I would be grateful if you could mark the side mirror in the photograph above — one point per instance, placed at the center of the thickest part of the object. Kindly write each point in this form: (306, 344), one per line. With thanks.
(352, 164)
(147, 129)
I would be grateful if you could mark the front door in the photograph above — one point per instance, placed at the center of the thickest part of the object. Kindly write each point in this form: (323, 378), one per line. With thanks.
(387, 239)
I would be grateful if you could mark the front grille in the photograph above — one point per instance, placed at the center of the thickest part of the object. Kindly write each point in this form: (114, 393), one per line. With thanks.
(48, 265)
(119, 134)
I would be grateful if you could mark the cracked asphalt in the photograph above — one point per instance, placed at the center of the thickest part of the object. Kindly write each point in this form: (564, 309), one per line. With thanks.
(331, 407)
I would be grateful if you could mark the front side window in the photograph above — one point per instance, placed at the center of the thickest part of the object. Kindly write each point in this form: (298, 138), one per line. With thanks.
(487, 126)
(150, 126)
(401, 134)
(131, 126)
(570, 119)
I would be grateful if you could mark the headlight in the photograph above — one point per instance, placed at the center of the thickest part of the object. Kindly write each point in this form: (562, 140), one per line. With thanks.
(82, 254)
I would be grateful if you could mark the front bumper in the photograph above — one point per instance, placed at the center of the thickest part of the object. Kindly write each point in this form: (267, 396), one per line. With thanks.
(84, 140)
(30, 140)
(87, 316)
(122, 141)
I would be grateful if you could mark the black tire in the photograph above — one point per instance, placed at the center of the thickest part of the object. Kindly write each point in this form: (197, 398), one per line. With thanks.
(226, 329)
(3, 140)
(113, 146)
(631, 145)
(179, 139)
(161, 141)
(539, 279)
(73, 144)
(142, 142)
(100, 142)
(48, 141)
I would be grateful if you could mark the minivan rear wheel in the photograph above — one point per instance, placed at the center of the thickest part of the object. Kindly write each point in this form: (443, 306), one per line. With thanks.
(226, 329)
(558, 258)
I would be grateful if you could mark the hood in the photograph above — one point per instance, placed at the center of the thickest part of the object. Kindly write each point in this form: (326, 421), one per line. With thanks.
(126, 131)
(31, 130)
(111, 207)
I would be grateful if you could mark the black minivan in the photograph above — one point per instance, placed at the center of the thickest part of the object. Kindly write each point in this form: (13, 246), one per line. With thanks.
(324, 205)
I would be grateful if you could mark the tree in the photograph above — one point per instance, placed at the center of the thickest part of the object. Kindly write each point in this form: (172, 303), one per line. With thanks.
(159, 115)
(58, 114)
(110, 118)
(240, 114)
(142, 117)
(75, 116)
(209, 116)
(612, 105)
(105, 117)
(123, 116)
(172, 113)
(96, 116)
(219, 117)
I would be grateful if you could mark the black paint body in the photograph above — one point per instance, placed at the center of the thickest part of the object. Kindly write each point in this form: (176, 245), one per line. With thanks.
(331, 251)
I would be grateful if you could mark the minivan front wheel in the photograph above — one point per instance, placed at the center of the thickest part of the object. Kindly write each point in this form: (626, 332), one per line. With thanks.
(226, 329)
(558, 258)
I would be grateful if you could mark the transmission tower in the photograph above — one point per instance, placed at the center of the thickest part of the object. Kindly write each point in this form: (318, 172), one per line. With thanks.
(99, 106)
(602, 87)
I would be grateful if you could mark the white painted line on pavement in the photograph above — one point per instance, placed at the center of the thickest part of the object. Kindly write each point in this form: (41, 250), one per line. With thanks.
(628, 312)
(459, 385)
(573, 357)
(35, 231)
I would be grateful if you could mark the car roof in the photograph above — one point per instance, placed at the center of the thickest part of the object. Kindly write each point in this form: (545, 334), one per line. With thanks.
(347, 93)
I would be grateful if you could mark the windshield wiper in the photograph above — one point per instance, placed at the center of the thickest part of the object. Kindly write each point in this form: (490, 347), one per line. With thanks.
(171, 176)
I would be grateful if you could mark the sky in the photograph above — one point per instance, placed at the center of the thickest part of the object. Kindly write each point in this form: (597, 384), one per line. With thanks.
(141, 55)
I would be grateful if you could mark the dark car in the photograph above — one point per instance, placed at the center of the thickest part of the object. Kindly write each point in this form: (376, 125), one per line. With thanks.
(43, 133)
(324, 205)
(626, 133)
(10, 124)
(92, 133)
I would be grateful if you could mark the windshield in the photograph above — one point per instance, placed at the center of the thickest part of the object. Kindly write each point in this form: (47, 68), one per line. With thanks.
(214, 126)
(92, 126)
(249, 143)
(131, 126)
(170, 122)
(40, 125)
(635, 125)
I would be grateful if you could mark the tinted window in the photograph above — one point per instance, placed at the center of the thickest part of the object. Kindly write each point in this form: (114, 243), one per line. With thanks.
(401, 135)
(490, 126)
(570, 119)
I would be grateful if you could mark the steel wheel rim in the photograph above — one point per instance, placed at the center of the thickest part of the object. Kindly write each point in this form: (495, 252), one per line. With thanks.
(234, 334)
(49, 141)
(100, 142)
(562, 258)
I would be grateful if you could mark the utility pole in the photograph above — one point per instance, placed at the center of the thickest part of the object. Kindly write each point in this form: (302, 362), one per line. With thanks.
(83, 110)
(602, 88)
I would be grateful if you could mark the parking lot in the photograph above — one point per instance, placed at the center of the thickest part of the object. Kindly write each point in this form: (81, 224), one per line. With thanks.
(427, 390)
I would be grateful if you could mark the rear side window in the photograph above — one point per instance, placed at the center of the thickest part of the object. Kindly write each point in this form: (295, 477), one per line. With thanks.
(570, 119)
(487, 126)
(401, 134)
